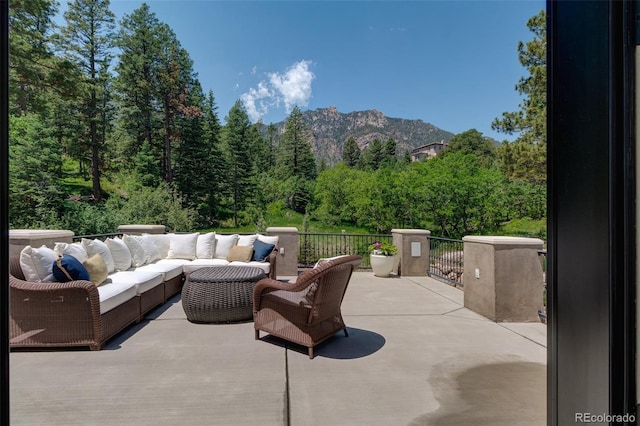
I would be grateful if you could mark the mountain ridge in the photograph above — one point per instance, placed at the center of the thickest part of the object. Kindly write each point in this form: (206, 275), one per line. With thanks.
(330, 129)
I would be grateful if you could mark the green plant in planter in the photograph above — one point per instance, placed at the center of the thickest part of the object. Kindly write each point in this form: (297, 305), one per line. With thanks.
(384, 249)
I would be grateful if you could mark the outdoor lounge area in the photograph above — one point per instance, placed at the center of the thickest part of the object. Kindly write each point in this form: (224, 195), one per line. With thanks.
(414, 356)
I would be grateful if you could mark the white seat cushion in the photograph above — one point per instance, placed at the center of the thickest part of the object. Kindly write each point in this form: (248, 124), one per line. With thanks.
(265, 266)
(180, 262)
(203, 263)
(143, 280)
(168, 270)
(115, 294)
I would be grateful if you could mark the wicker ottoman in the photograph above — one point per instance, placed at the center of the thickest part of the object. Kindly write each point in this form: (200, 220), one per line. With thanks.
(220, 294)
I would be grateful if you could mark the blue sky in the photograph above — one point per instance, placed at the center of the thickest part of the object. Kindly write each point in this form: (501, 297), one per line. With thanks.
(449, 63)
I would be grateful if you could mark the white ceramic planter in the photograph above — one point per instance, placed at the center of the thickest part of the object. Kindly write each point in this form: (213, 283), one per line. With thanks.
(382, 265)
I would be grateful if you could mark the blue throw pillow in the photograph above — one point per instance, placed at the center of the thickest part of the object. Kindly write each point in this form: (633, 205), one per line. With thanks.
(261, 250)
(74, 268)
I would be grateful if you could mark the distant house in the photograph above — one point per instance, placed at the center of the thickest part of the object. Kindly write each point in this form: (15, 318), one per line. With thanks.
(427, 151)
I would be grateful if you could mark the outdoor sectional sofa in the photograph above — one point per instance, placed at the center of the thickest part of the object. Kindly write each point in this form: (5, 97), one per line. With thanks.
(134, 274)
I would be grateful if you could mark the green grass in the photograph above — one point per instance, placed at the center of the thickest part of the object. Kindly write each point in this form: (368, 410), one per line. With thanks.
(74, 183)
(525, 227)
(290, 218)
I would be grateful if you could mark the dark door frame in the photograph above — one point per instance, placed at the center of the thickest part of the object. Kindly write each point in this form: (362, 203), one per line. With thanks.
(591, 209)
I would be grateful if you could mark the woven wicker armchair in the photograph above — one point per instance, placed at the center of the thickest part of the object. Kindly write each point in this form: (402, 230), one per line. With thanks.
(308, 311)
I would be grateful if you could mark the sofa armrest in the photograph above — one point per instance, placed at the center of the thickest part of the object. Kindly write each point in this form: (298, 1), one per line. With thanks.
(54, 313)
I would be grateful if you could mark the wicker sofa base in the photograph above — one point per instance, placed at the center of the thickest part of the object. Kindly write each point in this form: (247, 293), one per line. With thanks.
(173, 286)
(58, 315)
(150, 299)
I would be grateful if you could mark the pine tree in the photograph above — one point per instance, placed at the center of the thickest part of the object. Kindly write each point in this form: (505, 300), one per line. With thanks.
(237, 153)
(175, 81)
(351, 152)
(526, 157)
(273, 141)
(390, 151)
(31, 55)
(296, 166)
(139, 49)
(215, 170)
(88, 37)
(373, 157)
(295, 156)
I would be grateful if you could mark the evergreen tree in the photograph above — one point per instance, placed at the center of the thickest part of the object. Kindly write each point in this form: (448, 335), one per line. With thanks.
(351, 152)
(139, 48)
(175, 81)
(35, 159)
(296, 166)
(406, 157)
(295, 156)
(272, 141)
(390, 150)
(526, 157)
(215, 173)
(373, 156)
(191, 153)
(31, 55)
(240, 171)
(88, 37)
(146, 166)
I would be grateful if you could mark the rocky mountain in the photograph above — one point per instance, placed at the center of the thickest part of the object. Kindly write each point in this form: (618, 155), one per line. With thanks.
(330, 129)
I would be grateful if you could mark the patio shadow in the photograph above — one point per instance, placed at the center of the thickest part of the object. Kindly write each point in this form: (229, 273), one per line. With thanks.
(359, 344)
(509, 393)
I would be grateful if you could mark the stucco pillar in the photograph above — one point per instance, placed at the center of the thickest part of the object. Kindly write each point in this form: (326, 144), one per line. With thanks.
(141, 229)
(20, 238)
(287, 261)
(503, 277)
(413, 251)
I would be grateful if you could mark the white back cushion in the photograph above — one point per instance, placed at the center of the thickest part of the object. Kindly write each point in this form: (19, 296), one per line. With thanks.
(37, 263)
(183, 246)
(120, 253)
(151, 252)
(99, 247)
(206, 245)
(246, 240)
(224, 244)
(162, 242)
(268, 239)
(74, 249)
(138, 255)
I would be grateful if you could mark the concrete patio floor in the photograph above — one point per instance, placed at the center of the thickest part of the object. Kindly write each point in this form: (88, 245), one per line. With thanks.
(414, 356)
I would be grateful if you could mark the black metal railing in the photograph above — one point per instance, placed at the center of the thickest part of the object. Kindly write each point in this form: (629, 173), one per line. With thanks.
(97, 236)
(446, 260)
(314, 246)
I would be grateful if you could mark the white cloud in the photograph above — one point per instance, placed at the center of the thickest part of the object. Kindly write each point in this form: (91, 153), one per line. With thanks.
(257, 101)
(293, 87)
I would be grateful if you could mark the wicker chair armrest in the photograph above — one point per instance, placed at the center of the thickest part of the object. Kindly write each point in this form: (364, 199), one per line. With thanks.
(267, 285)
(272, 263)
(59, 288)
